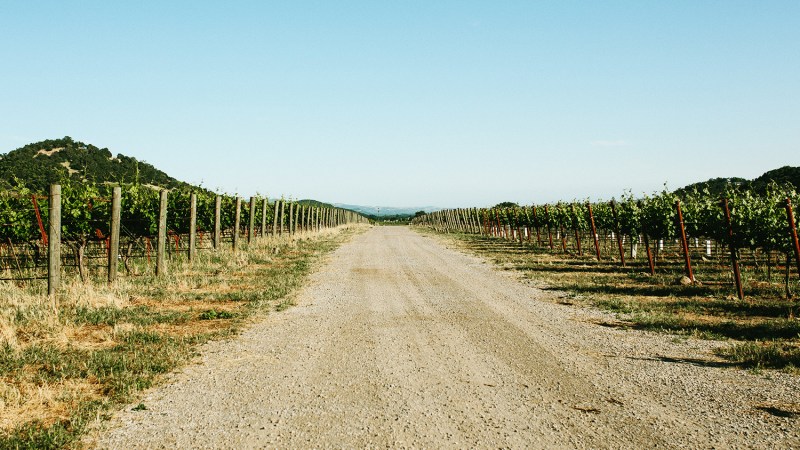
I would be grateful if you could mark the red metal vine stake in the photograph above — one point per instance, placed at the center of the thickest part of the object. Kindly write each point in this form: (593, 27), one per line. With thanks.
(684, 242)
(575, 225)
(549, 230)
(39, 219)
(793, 233)
(650, 261)
(594, 231)
(737, 276)
(616, 230)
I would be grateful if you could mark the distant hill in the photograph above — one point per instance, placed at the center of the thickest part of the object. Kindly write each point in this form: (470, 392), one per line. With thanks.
(716, 186)
(314, 203)
(783, 175)
(382, 211)
(40, 164)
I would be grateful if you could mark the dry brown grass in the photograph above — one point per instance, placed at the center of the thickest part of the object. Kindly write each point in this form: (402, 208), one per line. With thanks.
(24, 400)
(215, 295)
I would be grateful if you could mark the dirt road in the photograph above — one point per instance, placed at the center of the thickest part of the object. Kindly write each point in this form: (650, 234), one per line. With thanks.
(401, 342)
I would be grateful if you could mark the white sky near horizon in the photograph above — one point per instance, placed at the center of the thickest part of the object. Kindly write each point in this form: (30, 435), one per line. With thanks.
(413, 103)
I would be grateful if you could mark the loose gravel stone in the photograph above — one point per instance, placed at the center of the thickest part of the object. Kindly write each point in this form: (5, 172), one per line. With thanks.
(400, 342)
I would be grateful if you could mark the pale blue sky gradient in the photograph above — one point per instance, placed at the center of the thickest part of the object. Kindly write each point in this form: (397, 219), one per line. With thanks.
(412, 103)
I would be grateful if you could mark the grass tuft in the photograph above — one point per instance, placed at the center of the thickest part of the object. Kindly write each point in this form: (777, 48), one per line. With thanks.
(766, 322)
(64, 364)
(763, 354)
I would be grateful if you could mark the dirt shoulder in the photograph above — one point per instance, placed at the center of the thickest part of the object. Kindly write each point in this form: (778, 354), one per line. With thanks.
(400, 341)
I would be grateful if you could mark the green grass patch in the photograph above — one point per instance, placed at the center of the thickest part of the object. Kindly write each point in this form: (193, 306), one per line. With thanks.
(114, 352)
(763, 354)
(658, 302)
(213, 314)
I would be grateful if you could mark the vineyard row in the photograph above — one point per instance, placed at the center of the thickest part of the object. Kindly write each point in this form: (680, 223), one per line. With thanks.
(35, 229)
(740, 220)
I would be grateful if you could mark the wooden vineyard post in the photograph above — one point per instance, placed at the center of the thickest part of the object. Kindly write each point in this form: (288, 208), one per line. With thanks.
(192, 226)
(513, 224)
(684, 243)
(616, 230)
(793, 233)
(113, 244)
(161, 244)
(527, 225)
(264, 217)
(291, 216)
(296, 218)
(251, 226)
(54, 241)
(508, 228)
(650, 261)
(577, 235)
(549, 229)
(501, 226)
(594, 230)
(314, 217)
(275, 219)
(737, 276)
(536, 222)
(283, 216)
(217, 221)
(237, 223)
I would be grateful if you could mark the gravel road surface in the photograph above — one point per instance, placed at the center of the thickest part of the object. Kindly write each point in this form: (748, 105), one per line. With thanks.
(398, 341)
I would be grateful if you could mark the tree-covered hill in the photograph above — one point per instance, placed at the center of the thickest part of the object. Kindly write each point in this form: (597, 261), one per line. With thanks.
(783, 175)
(717, 186)
(314, 203)
(37, 165)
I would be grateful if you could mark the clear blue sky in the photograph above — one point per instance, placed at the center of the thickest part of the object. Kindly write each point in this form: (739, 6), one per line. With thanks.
(412, 103)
